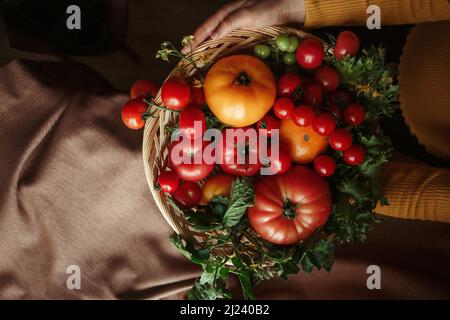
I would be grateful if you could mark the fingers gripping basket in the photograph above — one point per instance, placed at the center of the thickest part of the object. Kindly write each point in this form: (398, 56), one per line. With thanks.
(156, 138)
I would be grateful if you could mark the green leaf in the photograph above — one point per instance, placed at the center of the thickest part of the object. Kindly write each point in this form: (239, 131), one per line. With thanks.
(375, 140)
(209, 291)
(357, 188)
(224, 272)
(350, 223)
(246, 284)
(306, 264)
(201, 221)
(207, 277)
(287, 268)
(242, 197)
(322, 255)
(187, 248)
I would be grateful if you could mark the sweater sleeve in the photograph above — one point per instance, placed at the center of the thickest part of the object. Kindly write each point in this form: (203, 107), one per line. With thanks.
(320, 13)
(416, 191)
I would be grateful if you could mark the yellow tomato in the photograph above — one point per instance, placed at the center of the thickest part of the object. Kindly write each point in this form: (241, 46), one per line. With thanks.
(239, 90)
(216, 186)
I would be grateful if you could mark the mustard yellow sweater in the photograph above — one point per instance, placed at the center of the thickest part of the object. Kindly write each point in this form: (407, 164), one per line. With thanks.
(415, 191)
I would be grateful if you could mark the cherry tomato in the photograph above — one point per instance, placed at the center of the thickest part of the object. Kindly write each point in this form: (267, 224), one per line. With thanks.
(340, 139)
(283, 42)
(354, 114)
(132, 114)
(303, 115)
(283, 108)
(347, 43)
(282, 163)
(186, 158)
(175, 94)
(188, 194)
(324, 165)
(293, 44)
(261, 51)
(354, 155)
(168, 181)
(313, 94)
(324, 124)
(310, 53)
(143, 89)
(192, 123)
(328, 77)
(239, 157)
(269, 123)
(197, 97)
(288, 83)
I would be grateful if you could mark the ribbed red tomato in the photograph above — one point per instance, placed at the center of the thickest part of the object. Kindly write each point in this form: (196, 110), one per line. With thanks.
(290, 207)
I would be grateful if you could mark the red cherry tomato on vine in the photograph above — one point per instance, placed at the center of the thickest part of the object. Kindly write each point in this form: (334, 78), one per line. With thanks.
(188, 194)
(143, 89)
(347, 43)
(288, 84)
(324, 165)
(283, 108)
(303, 115)
(354, 155)
(324, 124)
(313, 94)
(340, 139)
(168, 181)
(328, 77)
(269, 123)
(354, 114)
(192, 123)
(310, 53)
(132, 114)
(175, 94)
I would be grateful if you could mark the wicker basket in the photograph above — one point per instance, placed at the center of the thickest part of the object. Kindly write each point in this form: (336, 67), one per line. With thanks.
(156, 138)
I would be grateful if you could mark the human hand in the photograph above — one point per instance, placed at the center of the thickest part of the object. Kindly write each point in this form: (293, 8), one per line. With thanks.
(248, 14)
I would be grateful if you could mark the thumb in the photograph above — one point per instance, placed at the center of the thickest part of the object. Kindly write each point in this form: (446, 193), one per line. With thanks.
(238, 19)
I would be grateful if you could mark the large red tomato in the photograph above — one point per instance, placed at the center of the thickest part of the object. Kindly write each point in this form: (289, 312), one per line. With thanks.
(290, 207)
(239, 157)
(239, 90)
(186, 158)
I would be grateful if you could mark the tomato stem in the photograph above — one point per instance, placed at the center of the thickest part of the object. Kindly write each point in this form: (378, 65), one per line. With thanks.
(243, 79)
(289, 209)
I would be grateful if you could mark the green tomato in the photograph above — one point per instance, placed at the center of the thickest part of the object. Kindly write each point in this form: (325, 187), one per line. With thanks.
(289, 59)
(283, 42)
(293, 44)
(262, 51)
